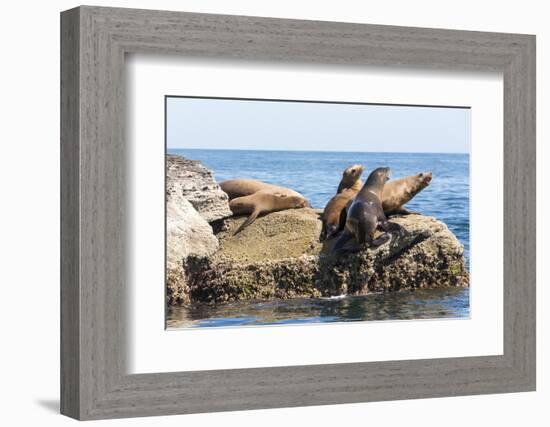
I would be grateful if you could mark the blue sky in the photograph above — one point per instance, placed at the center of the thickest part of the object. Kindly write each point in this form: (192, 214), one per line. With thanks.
(267, 125)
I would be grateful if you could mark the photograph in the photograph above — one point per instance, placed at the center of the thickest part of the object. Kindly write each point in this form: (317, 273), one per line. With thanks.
(284, 212)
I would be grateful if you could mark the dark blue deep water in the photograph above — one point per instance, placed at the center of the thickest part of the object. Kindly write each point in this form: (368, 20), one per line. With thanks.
(316, 175)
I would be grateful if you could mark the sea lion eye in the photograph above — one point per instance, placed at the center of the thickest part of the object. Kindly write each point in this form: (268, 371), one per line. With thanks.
(353, 171)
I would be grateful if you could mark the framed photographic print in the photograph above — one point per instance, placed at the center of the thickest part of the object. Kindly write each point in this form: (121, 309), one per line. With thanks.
(262, 213)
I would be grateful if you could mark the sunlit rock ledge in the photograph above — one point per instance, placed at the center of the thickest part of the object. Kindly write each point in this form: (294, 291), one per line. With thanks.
(280, 256)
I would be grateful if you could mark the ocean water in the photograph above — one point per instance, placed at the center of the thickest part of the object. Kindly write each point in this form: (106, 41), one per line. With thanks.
(316, 175)
(405, 305)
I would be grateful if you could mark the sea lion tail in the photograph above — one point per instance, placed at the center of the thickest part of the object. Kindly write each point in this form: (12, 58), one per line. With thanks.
(248, 221)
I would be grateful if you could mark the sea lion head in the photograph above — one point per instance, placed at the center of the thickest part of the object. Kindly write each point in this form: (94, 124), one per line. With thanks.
(378, 177)
(353, 173)
(424, 179)
(297, 202)
(302, 203)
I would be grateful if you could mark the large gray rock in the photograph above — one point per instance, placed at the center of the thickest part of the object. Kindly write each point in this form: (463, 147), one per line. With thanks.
(279, 256)
(197, 185)
(187, 233)
(193, 199)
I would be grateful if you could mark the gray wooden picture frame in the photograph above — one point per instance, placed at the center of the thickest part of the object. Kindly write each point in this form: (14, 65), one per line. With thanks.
(94, 381)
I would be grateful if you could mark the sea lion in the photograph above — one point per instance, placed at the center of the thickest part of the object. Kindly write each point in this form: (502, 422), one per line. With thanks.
(365, 214)
(351, 178)
(245, 187)
(398, 192)
(263, 202)
(334, 214)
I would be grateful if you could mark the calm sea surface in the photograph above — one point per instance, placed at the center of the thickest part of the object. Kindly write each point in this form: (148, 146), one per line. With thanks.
(316, 175)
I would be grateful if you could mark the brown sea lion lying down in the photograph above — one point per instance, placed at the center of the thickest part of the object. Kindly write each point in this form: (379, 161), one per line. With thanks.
(334, 216)
(263, 202)
(245, 187)
(254, 197)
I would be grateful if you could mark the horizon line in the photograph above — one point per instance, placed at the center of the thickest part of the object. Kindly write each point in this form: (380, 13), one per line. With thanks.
(319, 151)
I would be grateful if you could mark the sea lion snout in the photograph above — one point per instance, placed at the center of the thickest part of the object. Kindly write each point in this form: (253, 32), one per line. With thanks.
(303, 203)
(298, 202)
(426, 177)
(378, 177)
(386, 173)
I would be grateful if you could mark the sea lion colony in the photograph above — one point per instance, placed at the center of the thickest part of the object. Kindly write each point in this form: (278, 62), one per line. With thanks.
(356, 211)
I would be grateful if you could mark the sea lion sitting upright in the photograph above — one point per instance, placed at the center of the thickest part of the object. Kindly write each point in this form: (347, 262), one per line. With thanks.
(334, 214)
(263, 202)
(365, 214)
(351, 178)
(398, 192)
(245, 187)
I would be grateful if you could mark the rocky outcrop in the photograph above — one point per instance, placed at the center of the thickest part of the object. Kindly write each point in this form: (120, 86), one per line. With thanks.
(187, 233)
(193, 199)
(197, 185)
(279, 256)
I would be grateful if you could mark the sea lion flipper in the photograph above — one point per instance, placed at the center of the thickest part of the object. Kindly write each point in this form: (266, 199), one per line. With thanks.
(401, 211)
(389, 226)
(327, 231)
(342, 240)
(343, 218)
(248, 221)
(380, 240)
